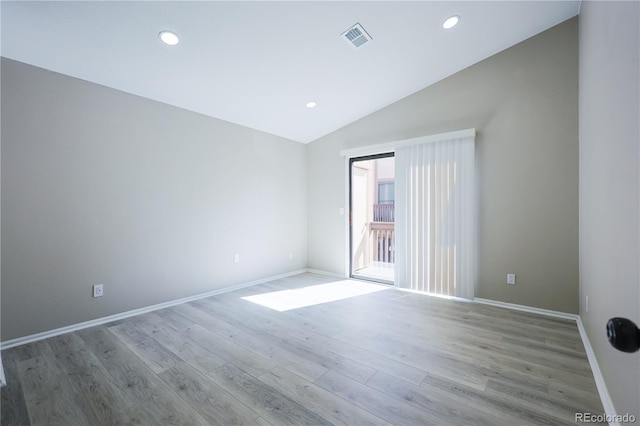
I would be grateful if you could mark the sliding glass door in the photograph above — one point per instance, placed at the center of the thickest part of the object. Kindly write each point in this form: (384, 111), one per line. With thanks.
(372, 217)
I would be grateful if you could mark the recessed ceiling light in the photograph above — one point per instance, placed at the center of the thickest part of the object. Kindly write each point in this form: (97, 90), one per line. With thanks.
(451, 22)
(169, 38)
(311, 104)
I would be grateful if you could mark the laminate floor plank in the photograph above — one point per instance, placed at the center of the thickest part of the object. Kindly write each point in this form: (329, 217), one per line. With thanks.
(322, 402)
(138, 381)
(370, 359)
(209, 400)
(501, 407)
(572, 344)
(386, 357)
(149, 350)
(573, 395)
(262, 422)
(213, 403)
(13, 409)
(522, 395)
(270, 404)
(255, 343)
(530, 319)
(462, 346)
(430, 400)
(102, 402)
(432, 362)
(30, 350)
(557, 329)
(280, 326)
(440, 327)
(249, 316)
(330, 360)
(327, 326)
(504, 361)
(468, 359)
(498, 359)
(544, 348)
(248, 361)
(48, 395)
(318, 355)
(189, 351)
(479, 317)
(389, 409)
(570, 364)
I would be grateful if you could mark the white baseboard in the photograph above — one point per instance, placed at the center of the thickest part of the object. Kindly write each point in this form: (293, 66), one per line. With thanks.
(3, 381)
(325, 273)
(99, 321)
(529, 309)
(607, 403)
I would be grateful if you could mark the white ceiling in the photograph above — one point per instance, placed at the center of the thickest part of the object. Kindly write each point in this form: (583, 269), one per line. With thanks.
(258, 63)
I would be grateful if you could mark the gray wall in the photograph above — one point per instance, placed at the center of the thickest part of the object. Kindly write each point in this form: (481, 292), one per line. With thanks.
(524, 104)
(610, 186)
(99, 186)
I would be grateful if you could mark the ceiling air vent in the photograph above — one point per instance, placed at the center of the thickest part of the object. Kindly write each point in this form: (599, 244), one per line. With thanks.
(356, 36)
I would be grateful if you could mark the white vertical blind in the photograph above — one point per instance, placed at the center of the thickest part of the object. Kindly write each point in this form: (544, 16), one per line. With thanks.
(435, 217)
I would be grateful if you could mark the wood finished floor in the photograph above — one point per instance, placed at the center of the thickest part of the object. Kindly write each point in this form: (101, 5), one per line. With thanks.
(388, 357)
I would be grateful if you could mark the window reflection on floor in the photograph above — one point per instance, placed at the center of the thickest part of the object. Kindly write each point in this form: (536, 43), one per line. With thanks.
(286, 300)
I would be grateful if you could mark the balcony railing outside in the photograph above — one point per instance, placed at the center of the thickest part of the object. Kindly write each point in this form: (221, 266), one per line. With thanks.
(382, 237)
(380, 240)
(384, 212)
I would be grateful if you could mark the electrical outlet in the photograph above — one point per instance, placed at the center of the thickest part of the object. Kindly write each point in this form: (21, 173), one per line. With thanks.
(98, 291)
(511, 279)
(236, 258)
(290, 256)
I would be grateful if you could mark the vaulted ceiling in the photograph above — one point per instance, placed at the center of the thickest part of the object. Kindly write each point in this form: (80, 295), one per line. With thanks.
(258, 63)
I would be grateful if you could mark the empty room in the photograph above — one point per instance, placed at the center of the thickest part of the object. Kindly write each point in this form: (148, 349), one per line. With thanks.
(319, 212)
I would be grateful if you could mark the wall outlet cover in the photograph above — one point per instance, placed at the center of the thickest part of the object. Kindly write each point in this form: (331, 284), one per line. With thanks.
(98, 290)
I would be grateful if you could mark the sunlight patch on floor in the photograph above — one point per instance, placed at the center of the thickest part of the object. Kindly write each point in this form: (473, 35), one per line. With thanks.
(286, 300)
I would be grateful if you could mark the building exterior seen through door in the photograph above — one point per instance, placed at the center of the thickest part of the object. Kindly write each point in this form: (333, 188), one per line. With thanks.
(372, 210)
